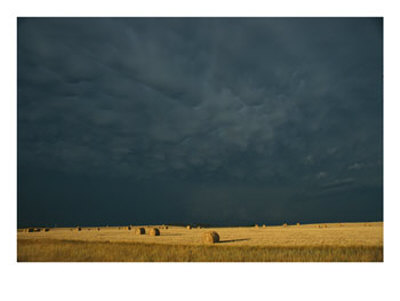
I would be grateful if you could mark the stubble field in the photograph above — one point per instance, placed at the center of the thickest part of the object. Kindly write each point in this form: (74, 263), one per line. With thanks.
(313, 242)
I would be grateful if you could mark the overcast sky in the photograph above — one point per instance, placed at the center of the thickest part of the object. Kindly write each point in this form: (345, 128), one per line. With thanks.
(199, 120)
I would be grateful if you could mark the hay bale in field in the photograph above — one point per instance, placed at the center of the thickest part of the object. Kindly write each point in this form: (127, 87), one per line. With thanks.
(256, 226)
(298, 224)
(98, 228)
(140, 231)
(78, 228)
(210, 237)
(166, 227)
(188, 227)
(46, 229)
(154, 232)
(285, 224)
(264, 226)
(325, 226)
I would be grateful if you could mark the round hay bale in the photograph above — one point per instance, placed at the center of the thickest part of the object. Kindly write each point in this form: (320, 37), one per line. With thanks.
(78, 228)
(188, 227)
(211, 237)
(166, 227)
(46, 229)
(256, 226)
(140, 231)
(98, 228)
(285, 224)
(154, 232)
(264, 226)
(298, 224)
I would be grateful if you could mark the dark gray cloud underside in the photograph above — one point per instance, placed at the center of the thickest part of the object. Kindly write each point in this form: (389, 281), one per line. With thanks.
(164, 119)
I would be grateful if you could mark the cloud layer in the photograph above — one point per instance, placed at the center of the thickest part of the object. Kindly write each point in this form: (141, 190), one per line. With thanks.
(285, 109)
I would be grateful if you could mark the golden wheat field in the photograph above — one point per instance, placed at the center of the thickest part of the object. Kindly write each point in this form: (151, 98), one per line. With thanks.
(311, 242)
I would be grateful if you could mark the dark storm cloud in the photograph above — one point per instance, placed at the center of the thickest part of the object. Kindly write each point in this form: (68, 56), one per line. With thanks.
(266, 112)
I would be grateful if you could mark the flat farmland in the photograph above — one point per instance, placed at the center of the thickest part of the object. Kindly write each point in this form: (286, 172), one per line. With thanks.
(310, 242)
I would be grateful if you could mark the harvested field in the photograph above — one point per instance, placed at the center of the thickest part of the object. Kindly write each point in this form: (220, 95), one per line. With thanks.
(339, 242)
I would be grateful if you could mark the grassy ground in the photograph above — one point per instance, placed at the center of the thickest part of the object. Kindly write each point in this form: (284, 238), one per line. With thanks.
(325, 242)
(45, 250)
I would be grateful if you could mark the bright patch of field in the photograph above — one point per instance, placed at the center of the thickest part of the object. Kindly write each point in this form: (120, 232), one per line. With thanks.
(76, 251)
(325, 242)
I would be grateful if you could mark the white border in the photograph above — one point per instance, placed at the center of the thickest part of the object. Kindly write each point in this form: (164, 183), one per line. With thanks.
(253, 8)
(274, 281)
